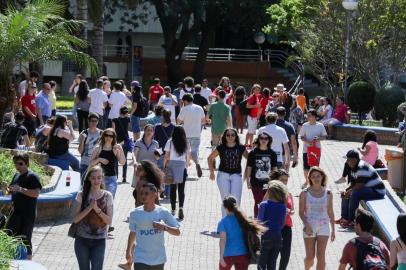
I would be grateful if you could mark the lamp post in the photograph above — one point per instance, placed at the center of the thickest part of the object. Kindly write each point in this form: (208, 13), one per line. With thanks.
(259, 39)
(350, 6)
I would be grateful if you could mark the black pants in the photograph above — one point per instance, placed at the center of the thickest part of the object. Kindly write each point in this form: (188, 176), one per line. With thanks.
(21, 226)
(30, 124)
(181, 192)
(82, 119)
(286, 247)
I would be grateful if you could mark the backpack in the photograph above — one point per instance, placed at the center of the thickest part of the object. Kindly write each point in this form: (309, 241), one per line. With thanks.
(41, 141)
(87, 134)
(370, 256)
(142, 107)
(9, 135)
(243, 107)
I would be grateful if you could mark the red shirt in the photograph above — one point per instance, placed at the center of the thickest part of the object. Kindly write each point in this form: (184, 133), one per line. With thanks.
(289, 204)
(28, 101)
(264, 104)
(340, 113)
(253, 100)
(155, 92)
(350, 252)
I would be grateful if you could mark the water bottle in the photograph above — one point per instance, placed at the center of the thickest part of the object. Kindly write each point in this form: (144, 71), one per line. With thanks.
(68, 180)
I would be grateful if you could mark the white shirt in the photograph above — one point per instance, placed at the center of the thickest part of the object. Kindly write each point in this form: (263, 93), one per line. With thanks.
(206, 93)
(279, 138)
(168, 105)
(97, 99)
(308, 132)
(173, 155)
(117, 100)
(191, 116)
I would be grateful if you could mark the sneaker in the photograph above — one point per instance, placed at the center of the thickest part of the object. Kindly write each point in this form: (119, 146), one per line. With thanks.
(173, 212)
(180, 214)
(199, 170)
(342, 180)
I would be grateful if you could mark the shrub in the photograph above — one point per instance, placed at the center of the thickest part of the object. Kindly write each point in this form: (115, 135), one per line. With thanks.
(361, 97)
(386, 102)
(8, 250)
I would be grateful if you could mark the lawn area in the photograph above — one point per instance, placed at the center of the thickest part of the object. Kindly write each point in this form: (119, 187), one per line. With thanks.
(64, 102)
(371, 123)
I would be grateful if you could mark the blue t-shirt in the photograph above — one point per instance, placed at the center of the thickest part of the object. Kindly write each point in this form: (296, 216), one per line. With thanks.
(273, 215)
(235, 245)
(42, 101)
(150, 242)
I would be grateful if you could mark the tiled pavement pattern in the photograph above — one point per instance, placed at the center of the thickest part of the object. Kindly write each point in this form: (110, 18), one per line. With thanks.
(197, 247)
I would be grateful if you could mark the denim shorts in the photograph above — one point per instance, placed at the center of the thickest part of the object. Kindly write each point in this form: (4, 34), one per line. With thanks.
(135, 124)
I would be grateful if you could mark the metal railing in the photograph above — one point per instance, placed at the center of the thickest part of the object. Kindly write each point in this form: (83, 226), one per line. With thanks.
(225, 54)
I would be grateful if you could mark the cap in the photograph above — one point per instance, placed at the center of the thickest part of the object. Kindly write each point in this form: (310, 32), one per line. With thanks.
(135, 84)
(352, 154)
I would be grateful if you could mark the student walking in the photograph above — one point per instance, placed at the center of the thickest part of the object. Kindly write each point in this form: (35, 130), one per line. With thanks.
(316, 212)
(272, 213)
(93, 214)
(177, 158)
(233, 230)
(231, 151)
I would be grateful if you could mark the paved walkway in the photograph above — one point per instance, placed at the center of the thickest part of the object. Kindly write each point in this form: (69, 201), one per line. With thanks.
(197, 247)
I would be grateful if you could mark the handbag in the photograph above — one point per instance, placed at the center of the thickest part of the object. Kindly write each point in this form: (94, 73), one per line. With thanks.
(73, 229)
(313, 155)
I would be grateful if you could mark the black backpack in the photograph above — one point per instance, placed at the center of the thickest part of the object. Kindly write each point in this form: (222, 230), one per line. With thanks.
(243, 107)
(9, 135)
(143, 109)
(370, 255)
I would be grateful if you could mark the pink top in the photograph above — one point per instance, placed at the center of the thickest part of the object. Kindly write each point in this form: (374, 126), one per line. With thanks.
(372, 154)
(289, 204)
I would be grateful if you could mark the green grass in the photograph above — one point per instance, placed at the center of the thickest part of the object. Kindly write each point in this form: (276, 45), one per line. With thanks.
(371, 123)
(8, 249)
(64, 102)
(7, 169)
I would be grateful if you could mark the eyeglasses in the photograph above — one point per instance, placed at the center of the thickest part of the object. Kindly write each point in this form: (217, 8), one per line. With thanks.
(20, 163)
(264, 138)
(230, 135)
(109, 135)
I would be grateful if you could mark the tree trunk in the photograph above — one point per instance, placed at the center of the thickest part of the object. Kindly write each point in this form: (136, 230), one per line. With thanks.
(97, 45)
(208, 37)
(82, 14)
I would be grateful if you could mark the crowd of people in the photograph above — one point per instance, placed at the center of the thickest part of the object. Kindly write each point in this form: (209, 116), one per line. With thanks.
(163, 150)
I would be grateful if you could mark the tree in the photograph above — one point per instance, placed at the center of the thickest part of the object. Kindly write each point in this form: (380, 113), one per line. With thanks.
(386, 102)
(361, 97)
(37, 33)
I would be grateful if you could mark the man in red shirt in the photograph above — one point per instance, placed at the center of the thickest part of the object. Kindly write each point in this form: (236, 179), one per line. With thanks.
(155, 92)
(29, 109)
(340, 115)
(364, 221)
(254, 104)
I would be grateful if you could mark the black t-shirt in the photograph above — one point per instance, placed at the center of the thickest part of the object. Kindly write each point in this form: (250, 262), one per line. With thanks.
(24, 205)
(200, 100)
(137, 99)
(11, 134)
(230, 158)
(121, 127)
(261, 162)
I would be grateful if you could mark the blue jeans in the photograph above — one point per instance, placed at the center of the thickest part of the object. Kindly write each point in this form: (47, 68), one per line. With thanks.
(270, 247)
(350, 205)
(110, 183)
(229, 184)
(71, 159)
(194, 148)
(90, 253)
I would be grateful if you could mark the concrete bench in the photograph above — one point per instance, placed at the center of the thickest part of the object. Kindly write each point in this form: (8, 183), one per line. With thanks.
(349, 132)
(56, 203)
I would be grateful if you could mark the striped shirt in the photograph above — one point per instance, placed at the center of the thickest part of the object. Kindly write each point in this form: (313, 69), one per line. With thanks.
(367, 175)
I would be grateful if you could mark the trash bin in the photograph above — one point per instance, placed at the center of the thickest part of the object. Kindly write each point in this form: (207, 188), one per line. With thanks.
(394, 157)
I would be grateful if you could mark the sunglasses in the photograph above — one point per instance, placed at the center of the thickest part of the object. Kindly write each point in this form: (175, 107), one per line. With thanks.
(264, 138)
(109, 135)
(275, 96)
(230, 135)
(20, 163)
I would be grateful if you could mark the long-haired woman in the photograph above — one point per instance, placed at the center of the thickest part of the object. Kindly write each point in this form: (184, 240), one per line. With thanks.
(283, 176)
(232, 229)
(317, 214)
(177, 157)
(398, 246)
(260, 162)
(231, 151)
(108, 154)
(58, 142)
(82, 101)
(93, 215)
